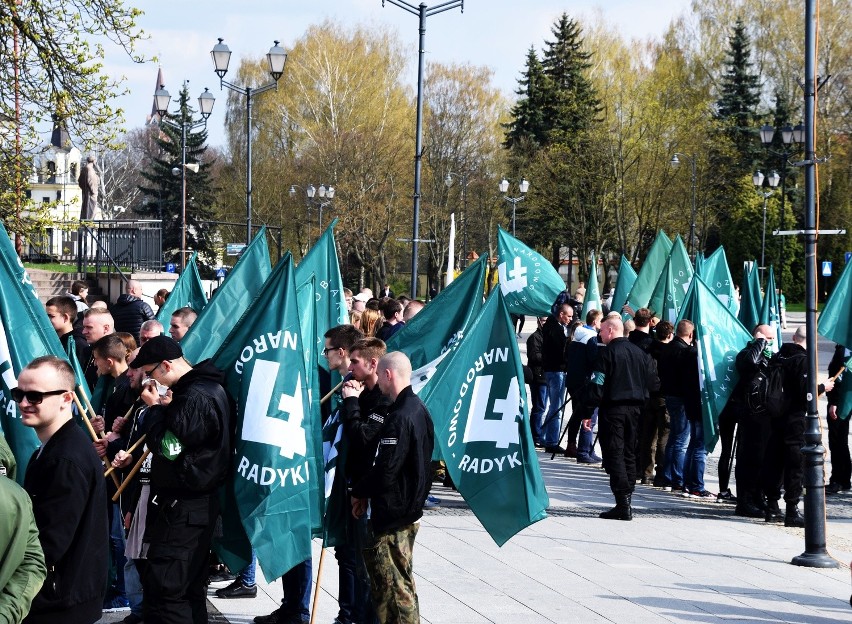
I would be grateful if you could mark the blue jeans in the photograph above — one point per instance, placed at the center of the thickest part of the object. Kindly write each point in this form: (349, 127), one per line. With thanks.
(696, 457)
(247, 573)
(678, 441)
(133, 586)
(555, 395)
(585, 445)
(117, 546)
(538, 395)
(297, 589)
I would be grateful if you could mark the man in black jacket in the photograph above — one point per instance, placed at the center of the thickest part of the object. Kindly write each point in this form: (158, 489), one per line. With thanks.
(395, 488)
(65, 481)
(838, 430)
(129, 311)
(190, 440)
(622, 380)
(538, 383)
(787, 434)
(557, 334)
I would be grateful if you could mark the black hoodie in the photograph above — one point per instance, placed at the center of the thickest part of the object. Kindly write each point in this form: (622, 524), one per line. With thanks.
(129, 313)
(200, 416)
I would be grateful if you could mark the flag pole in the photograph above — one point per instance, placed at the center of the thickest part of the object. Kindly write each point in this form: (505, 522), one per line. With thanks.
(317, 586)
(129, 452)
(92, 432)
(130, 476)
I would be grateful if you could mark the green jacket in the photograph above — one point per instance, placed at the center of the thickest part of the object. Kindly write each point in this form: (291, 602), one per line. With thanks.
(22, 569)
(7, 459)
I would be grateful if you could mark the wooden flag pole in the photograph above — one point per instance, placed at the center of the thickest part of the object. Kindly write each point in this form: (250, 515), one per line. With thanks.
(333, 390)
(93, 434)
(130, 475)
(317, 584)
(129, 451)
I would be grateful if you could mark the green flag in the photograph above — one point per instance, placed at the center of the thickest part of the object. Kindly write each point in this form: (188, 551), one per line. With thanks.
(842, 393)
(770, 312)
(529, 282)
(329, 302)
(750, 300)
(229, 303)
(719, 337)
(274, 462)
(626, 279)
(650, 272)
(835, 320)
(670, 291)
(699, 262)
(479, 407)
(717, 276)
(426, 338)
(187, 292)
(25, 334)
(592, 300)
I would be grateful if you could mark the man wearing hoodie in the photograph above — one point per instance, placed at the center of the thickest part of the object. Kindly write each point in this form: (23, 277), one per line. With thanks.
(190, 439)
(129, 311)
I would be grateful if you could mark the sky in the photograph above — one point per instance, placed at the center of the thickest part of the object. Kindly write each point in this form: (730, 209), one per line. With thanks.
(493, 33)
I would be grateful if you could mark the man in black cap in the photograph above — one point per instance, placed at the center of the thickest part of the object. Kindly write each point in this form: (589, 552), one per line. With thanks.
(190, 438)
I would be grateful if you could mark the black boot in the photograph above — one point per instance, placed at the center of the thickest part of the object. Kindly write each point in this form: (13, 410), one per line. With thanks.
(621, 511)
(793, 518)
(773, 513)
(747, 509)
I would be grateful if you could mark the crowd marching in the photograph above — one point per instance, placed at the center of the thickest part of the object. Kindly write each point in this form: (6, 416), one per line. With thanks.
(127, 522)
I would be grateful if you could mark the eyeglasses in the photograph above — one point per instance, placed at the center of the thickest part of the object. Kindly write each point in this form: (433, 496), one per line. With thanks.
(33, 397)
(327, 349)
(149, 373)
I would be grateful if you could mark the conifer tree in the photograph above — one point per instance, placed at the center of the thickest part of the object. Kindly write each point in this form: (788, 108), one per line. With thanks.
(164, 191)
(528, 129)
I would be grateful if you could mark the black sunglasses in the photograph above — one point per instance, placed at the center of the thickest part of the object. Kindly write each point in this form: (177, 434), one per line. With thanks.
(34, 397)
(326, 350)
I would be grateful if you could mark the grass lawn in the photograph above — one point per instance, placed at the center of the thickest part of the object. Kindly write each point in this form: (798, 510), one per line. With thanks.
(800, 307)
(55, 267)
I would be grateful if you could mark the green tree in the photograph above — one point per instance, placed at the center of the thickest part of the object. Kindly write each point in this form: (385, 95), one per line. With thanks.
(527, 131)
(164, 189)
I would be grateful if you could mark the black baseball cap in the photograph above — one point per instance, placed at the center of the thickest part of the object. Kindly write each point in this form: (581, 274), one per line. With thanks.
(156, 350)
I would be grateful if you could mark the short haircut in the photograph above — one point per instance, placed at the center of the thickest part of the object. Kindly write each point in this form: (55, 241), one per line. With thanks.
(101, 314)
(347, 292)
(164, 293)
(99, 304)
(370, 348)
(111, 346)
(592, 316)
(129, 341)
(398, 362)
(404, 300)
(627, 326)
(62, 367)
(663, 330)
(186, 314)
(152, 324)
(642, 317)
(684, 328)
(373, 304)
(800, 335)
(78, 287)
(344, 336)
(390, 308)
(64, 305)
(414, 306)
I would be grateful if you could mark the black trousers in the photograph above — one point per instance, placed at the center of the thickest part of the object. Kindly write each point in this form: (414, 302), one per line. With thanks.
(838, 445)
(727, 426)
(783, 459)
(179, 534)
(753, 436)
(617, 428)
(654, 435)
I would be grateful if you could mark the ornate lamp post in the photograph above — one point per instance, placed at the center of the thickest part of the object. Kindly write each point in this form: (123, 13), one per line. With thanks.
(320, 197)
(523, 187)
(276, 58)
(675, 162)
(758, 179)
(464, 182)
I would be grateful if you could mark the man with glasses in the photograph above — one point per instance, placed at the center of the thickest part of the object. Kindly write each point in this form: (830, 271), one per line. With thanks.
(190, 441)
(65, 481)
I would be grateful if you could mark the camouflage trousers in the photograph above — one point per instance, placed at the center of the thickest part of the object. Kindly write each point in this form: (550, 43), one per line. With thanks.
(389, 560)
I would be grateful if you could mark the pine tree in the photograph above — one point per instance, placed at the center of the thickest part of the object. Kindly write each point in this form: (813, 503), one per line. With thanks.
(528, 129)
(737, 104)
(164, 192)
(573, 105)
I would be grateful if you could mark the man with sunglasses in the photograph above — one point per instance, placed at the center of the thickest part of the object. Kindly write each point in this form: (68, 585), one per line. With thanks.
(66, 484)
(190, 441)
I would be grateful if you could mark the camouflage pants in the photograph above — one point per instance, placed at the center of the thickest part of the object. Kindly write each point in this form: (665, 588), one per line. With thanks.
(389, 560)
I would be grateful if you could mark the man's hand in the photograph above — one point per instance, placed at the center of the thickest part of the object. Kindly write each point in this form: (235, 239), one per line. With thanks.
(586, 424)
(352, 388)
(122, 459)
(359, 507)
(128, 519)
(828, 385)
(101, 446)
(150, 395)
(832, 412)
(98, 424)
(118, 424)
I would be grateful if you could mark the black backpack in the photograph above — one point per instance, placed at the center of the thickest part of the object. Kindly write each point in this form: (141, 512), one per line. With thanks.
(765, 391)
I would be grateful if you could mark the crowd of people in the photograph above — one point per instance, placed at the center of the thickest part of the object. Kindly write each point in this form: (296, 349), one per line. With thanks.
(638, 382)
(139, 539)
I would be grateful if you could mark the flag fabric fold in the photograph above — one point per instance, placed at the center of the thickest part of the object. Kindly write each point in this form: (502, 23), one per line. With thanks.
(625, 281)
(649, 273)
(716, 273)
(529, 282)
(478, 403)
(835, 320)
(592, 300)
(671, 288)
(719, 337)
(187, 292)
(770, 312)
(750, 299)
(232, 299)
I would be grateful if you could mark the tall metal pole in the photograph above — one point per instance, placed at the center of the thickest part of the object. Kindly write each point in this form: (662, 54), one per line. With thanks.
(248, 165)
(783, 224)
(464, 220)
(19, 191)
(815, 554)
(514, 205)
(763, 239)
(422, 11)
(692, 222)
(183, 195)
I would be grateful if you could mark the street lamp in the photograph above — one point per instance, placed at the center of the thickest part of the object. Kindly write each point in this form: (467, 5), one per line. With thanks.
(523, 187)
(205, 106)
(758, 179)
(675, 162)
(464, 182)
(320, 197)
(276, 58)
(790, 137)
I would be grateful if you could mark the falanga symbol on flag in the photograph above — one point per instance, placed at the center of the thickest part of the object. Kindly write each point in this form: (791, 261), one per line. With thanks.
(478, 404)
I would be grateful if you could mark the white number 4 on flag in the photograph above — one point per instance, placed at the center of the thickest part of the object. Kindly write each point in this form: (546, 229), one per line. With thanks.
(502, 431)
(258, 426)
